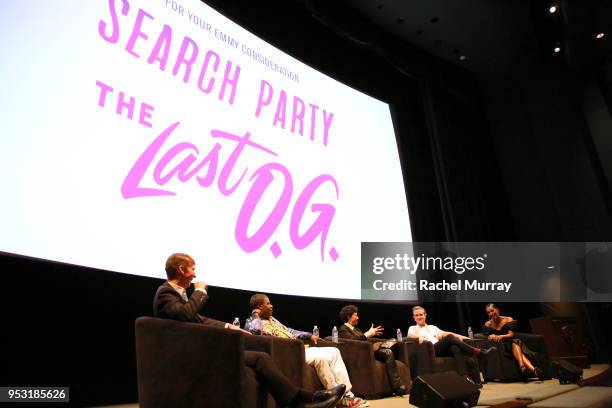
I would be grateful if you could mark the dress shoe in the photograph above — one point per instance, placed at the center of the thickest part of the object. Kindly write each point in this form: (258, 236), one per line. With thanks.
(477, 384)
(326, 398)
(487, 351)
(401, 390)
(327, 403)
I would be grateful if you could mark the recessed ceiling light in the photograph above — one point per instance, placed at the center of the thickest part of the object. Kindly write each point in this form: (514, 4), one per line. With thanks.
(553, 8)
(600, 35)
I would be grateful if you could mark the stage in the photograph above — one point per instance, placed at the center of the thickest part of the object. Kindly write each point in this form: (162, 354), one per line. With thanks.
(540, 394)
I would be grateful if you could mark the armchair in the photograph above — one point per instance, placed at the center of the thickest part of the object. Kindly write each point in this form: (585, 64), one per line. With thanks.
(368, 375)
(289, 356)
(497, 366)
(422, 359)
(192, 365)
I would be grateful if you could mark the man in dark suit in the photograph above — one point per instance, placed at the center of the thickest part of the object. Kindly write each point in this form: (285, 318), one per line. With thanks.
(349, 330)
(171, 302)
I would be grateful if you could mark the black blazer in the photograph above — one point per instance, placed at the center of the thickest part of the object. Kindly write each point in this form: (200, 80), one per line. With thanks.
(168, 304)
(354, 334)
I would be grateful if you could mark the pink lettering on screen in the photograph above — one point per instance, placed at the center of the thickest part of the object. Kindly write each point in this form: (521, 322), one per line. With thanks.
(190, 163)
(162, 164)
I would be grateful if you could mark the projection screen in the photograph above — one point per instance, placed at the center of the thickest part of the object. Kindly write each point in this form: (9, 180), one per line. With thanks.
(134, 129)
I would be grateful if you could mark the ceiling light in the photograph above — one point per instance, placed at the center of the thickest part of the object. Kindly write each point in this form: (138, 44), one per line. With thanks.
(557, 49)
(600, 35)
(462, 57)
(553, 8)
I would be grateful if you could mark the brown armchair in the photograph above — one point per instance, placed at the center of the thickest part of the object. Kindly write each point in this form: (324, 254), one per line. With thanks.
(368, 375)
(422, 359)
(289, 356)
(192, 365)
(497, 366)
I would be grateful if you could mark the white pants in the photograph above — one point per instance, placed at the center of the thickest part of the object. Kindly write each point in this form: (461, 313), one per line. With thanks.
(329, 366)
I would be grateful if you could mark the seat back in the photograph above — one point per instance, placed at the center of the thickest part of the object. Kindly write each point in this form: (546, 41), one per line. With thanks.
(502, 366)
(368, 375)
(423, 359)
(189, 365)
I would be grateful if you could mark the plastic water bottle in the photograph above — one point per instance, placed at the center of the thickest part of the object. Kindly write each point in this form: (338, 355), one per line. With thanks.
(399, 336)
(335, 334)
(470, 333)
(315, 331)
(236, 322)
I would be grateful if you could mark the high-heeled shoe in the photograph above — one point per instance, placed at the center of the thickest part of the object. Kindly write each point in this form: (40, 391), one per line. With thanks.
(524, 372)
(531, 372)
(538, 373)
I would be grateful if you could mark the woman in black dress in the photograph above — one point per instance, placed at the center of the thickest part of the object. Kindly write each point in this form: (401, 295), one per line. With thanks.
(500, 329)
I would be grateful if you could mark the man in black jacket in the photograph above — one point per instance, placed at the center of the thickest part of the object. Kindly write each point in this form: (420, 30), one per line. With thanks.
(171, 302)
(349, 330)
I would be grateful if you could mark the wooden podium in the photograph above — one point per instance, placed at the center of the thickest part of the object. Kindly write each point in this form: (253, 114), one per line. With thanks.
(562, 338)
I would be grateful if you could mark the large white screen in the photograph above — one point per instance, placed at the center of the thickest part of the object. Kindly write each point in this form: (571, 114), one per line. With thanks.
(125, 139)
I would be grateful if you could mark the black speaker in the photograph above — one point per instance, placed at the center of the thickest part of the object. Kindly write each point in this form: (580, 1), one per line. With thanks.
(565, 372)
(441, 390)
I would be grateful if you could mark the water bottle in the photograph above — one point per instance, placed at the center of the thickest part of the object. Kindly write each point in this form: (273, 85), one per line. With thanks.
(236, 322)
(315, 331)
(470, 332)
(399, 336)
(335, 334)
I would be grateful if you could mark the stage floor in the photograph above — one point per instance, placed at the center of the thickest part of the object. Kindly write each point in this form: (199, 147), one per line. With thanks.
(543, 394)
